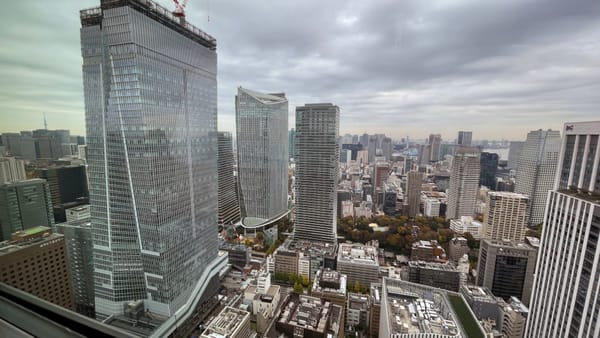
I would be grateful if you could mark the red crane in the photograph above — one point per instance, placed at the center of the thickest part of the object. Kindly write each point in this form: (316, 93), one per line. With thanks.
(180, 8)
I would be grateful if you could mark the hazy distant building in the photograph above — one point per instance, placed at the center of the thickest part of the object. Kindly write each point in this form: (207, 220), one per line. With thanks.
(506, 268)
(78, 240)
(505, 216)
(514, 153)
(229, 209)
(292, 142)
(537, 169)
(567, 270)
(317, 152)
(372, 147)
(488, 168)
(464, 183)
(23, 205)
(435, 143)
(414, 180)
(387, 148)
(68, 184)
(35, 261)
(464, 138)
(150, 90)
(11, 169)
(262, 148)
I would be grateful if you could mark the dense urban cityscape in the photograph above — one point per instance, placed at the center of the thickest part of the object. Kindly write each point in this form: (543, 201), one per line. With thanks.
(158, 223)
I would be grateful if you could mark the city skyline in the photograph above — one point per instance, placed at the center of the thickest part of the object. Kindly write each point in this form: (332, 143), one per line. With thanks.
(516, 77)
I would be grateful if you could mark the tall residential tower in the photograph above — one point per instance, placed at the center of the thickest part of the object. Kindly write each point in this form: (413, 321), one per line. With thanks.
(317, 154)
(464, 183)
(150, 89)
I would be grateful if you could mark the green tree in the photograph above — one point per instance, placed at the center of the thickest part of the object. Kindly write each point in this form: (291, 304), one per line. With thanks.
(298, 288)
(305, 281)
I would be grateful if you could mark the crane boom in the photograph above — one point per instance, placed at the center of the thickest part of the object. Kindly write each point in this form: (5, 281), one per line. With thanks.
(180, 8)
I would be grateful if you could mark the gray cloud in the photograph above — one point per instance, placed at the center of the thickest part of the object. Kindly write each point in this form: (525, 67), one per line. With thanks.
(499, 68)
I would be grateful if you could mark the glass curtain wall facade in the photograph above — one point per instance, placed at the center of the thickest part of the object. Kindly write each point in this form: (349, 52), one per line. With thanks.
(262, 148)
(150, 93)
(317, 152)
(229, 210)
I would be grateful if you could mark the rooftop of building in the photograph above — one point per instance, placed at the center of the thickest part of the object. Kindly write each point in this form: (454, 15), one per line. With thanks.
(465, 220)
(426, 244)
(517, 306)
(509, 244)
(584, 195)
(419, 309)
(507, 194)
(330, 281)
(22, 182)
(265, 98)
(93, 17)
(323, 248)
(481, 293)
(433, 266)
(357, 253)
(23, 240)
(309, 312)
(357, 301)
(225, 323)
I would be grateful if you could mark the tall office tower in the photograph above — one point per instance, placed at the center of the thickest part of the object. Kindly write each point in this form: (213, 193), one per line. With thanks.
(354, 139)
(11, 169)
(78, 239)
(464, 183)
(386, 148)
(506, 268)
(292, 142)
(514, 152)
(229, 209)
(488, 167)
(435, 143)
(464, 138)
(317, 128)
(381, 172)
(12, 142)
(23, 205)
(505, 216)
(68, 187)
(413, 189)
(372, 147)
(150, 91)
(262, 148)
(35, 261)
(566, 297)
(424, 150)
(364, 140)
(537, 167)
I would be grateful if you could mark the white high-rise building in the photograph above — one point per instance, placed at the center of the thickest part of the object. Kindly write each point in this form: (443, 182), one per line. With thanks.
(317, 154)
(464, 183)
(11, 170)
(150, 90)
(262, 149)
(566, 292)
(536, 170)
(505, 216)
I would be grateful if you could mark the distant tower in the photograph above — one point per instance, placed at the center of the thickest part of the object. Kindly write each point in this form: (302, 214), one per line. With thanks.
(262, 148)
(464, 138)
(45, 122)
(317, 128)
(229, 209)
(489, 167)
(413, 189)
(566, 296)
(514, 153)
(464, 183)
(537, 169)
(435, 144)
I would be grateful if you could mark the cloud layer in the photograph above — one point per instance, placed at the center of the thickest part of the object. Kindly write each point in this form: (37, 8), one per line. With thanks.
(499, 68)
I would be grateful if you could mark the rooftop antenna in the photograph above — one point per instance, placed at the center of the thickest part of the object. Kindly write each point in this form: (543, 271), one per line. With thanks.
(45, 122)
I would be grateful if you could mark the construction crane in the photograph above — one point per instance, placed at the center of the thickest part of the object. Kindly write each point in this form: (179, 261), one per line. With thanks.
(179, 8)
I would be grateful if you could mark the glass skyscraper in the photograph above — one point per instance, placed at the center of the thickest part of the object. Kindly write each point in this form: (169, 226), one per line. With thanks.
(317, 160)
(151, 114)
(262, 148)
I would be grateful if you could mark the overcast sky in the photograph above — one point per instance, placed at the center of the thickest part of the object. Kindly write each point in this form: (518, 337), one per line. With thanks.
(499, 68)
